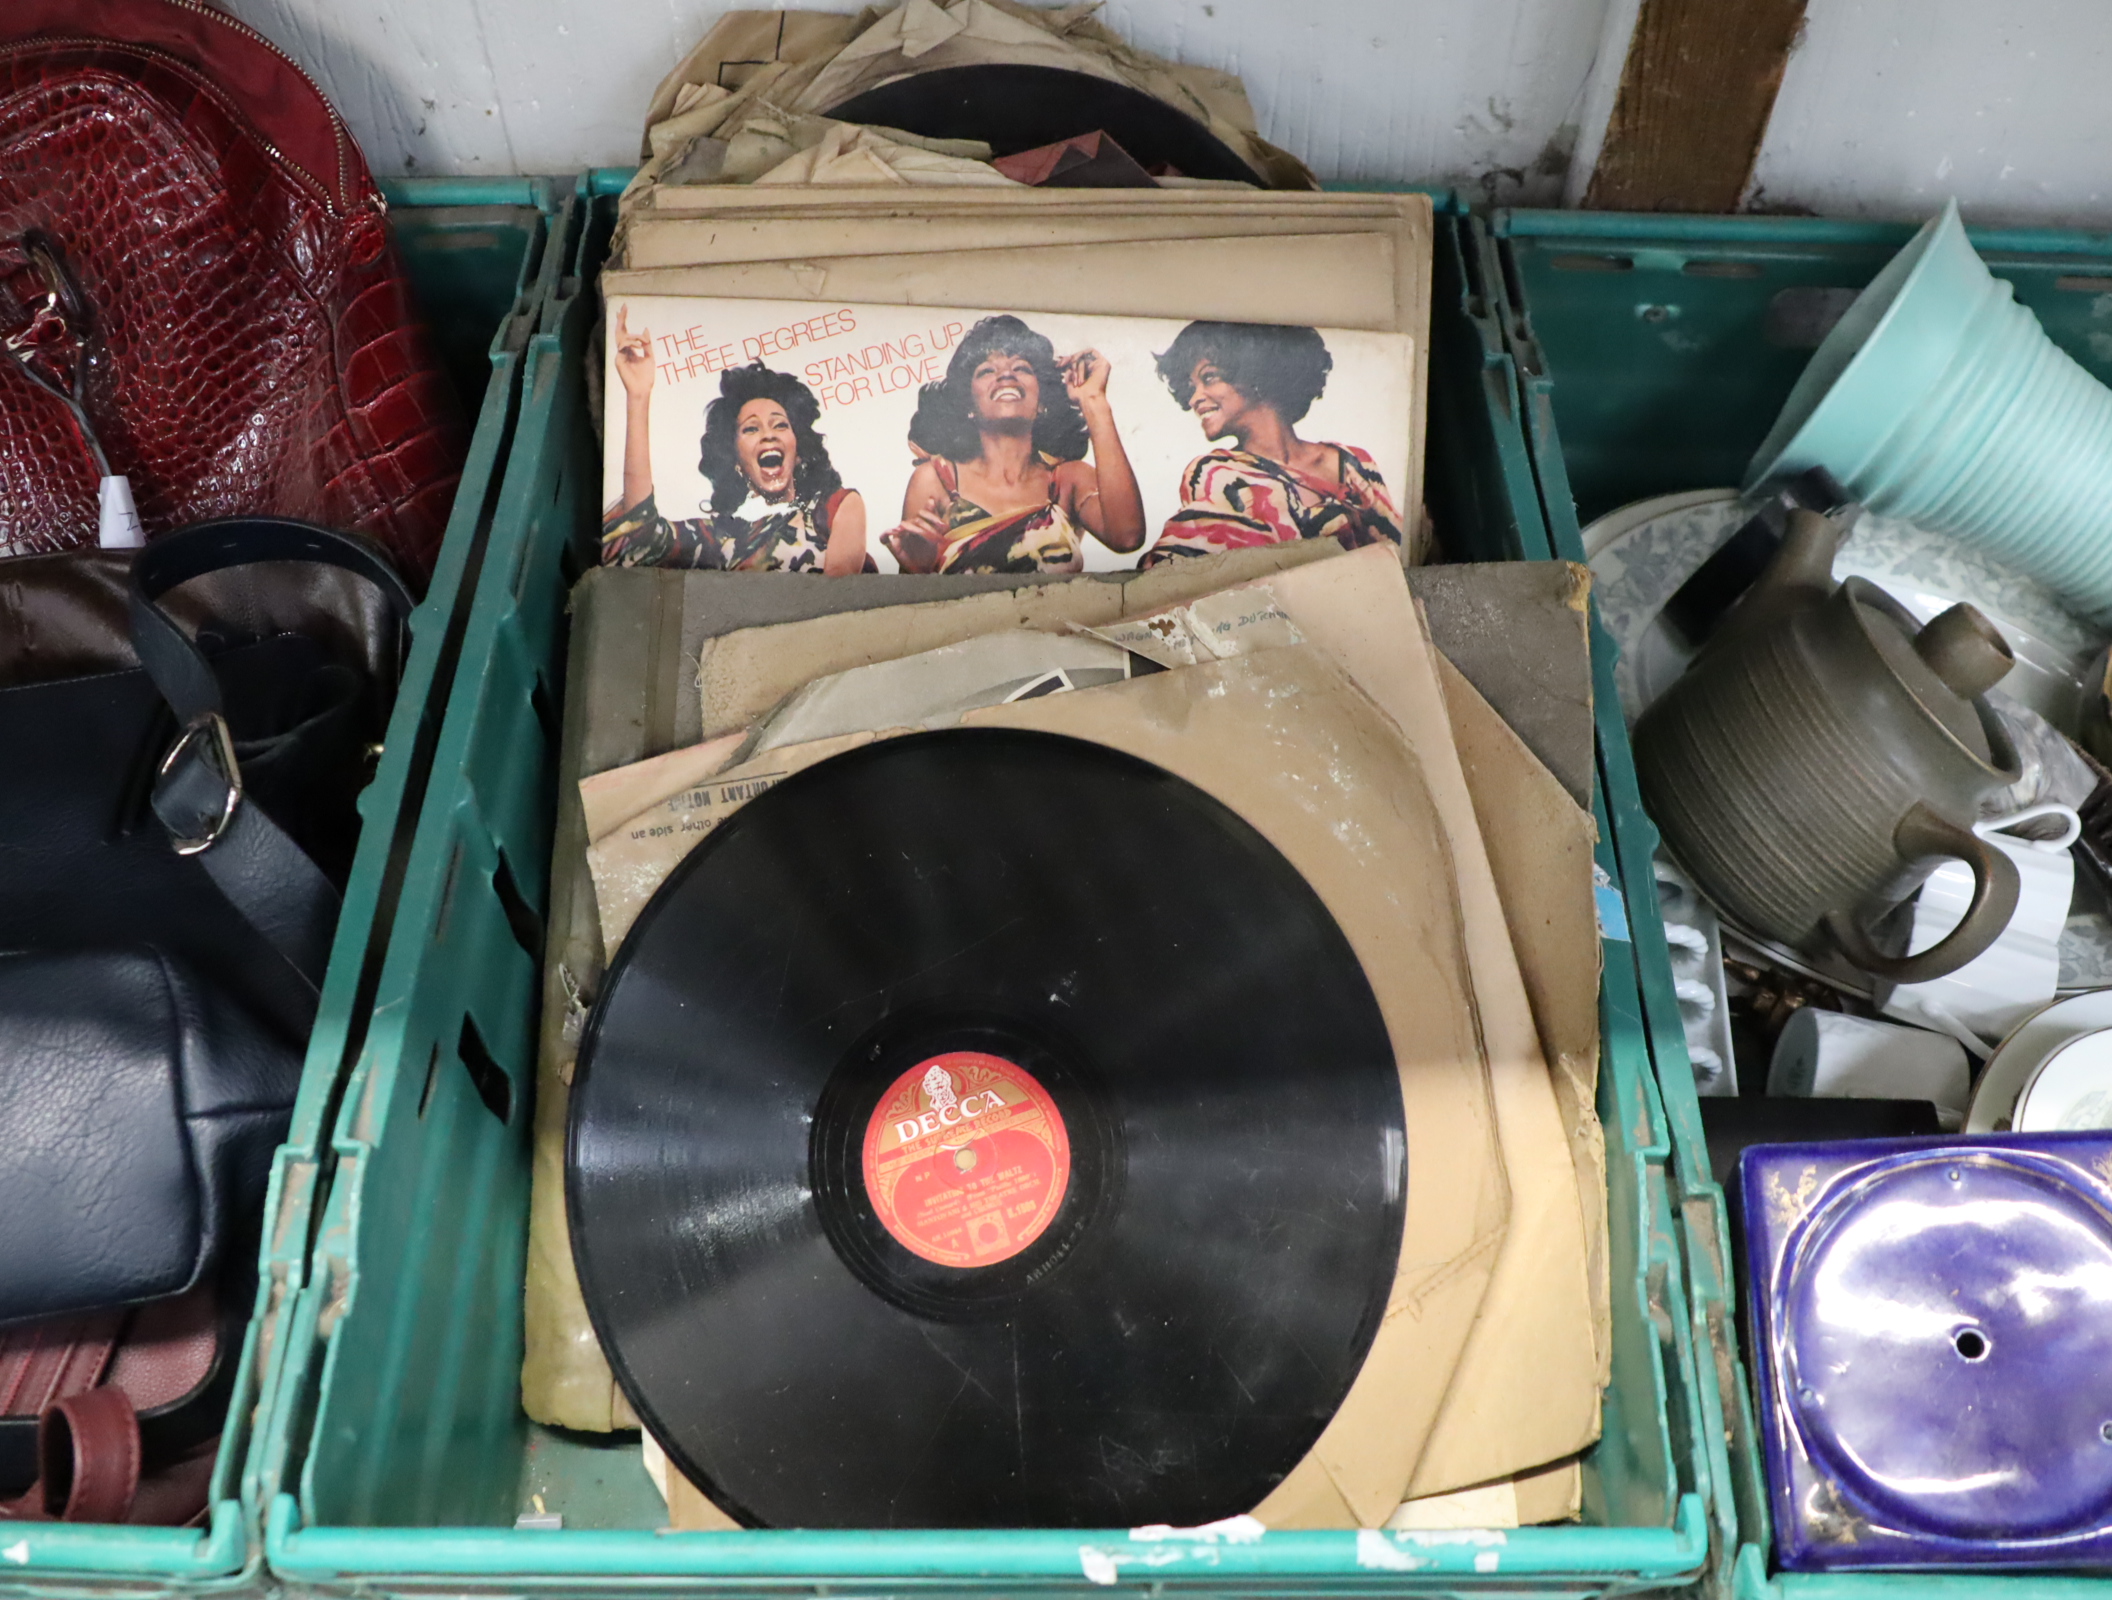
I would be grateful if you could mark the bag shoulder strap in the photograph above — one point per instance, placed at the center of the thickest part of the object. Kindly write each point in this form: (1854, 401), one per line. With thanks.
(198, 790)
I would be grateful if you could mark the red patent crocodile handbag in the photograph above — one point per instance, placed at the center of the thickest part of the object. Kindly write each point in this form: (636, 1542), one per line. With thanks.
(240, 340)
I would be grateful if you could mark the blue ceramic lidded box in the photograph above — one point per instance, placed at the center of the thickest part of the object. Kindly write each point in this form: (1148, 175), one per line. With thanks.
(1932, 1326)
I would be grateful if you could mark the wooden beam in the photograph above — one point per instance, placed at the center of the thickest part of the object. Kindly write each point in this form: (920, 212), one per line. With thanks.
(1697, 86)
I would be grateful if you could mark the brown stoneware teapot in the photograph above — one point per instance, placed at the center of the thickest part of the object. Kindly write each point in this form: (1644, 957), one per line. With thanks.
(1825, 752)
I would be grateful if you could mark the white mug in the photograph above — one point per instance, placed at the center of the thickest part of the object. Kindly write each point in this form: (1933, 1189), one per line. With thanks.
(1825, 1055)
(2019, 972)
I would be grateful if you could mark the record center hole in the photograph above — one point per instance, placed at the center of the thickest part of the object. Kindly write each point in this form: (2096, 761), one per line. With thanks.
(2105, 1433)
(964, 1158)
(1971, 1343)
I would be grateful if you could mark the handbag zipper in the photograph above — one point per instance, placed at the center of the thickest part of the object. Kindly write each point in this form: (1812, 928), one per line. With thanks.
(344, 134)
(374, 200)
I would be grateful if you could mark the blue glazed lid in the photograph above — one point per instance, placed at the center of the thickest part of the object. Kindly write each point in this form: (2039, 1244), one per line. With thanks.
(1934, 1329)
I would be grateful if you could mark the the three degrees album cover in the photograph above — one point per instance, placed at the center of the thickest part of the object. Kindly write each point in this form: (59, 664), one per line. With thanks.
(756, 434)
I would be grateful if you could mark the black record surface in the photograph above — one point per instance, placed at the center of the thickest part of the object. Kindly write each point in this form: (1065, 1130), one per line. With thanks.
(1205, 1285)
(1014, 107)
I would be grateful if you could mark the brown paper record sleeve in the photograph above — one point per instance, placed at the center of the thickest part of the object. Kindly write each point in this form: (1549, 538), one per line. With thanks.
(1286, 740)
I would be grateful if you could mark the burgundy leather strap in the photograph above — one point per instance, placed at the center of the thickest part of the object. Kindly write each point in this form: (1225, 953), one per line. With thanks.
(90, 1449)
(88, 1458)
(41, 1363)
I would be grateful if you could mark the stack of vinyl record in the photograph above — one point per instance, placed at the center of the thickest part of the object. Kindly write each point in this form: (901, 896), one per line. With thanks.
(865, 270)
(1081, 1073)
(1080, 1016)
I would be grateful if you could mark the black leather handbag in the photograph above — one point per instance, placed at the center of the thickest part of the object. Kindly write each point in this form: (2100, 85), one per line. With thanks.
(174, 839)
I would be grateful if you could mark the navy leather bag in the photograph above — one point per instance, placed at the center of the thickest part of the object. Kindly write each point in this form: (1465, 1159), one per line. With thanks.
(173, 841)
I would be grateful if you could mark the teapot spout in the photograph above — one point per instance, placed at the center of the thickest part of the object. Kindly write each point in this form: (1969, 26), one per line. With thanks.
(1801, 572)
(1805, 560)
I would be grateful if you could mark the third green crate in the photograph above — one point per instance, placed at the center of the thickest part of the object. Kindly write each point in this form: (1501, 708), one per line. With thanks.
(1653, 354)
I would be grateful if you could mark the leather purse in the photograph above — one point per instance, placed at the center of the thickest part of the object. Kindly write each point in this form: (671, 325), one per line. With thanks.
(139, 1108)
(178, 832)
(115, 1416)
(197, 721)
(199, 292)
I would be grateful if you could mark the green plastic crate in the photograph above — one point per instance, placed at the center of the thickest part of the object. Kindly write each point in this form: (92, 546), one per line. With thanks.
(475, 257)
(400, 1453)
(1673, 341)
(1627, 845)
(1654, 353)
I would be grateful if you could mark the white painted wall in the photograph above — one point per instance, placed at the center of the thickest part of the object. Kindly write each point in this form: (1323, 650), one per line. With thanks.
(1887, 107)
(1480, 92)
(1890, 107)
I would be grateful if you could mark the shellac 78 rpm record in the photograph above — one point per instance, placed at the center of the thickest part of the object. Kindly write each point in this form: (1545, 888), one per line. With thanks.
(986, 1128)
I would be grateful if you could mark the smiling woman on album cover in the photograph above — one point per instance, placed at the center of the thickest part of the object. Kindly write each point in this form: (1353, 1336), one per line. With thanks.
(1250, 383)
(759, 445)
(1003, 485)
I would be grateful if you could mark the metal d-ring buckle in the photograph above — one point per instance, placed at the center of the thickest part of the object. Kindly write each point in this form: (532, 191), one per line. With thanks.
(223, 757)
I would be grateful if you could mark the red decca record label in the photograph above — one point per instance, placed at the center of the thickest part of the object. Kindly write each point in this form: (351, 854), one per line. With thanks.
(966, 1159)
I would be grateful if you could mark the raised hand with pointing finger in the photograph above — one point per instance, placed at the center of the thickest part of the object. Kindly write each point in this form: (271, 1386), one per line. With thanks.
(634, 370)
(634, 356)
(917, 539)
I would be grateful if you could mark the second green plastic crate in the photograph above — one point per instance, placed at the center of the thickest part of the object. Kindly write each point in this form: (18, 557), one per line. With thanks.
(400, 1451)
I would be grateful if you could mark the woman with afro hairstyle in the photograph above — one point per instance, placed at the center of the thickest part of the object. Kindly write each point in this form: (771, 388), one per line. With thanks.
(1004, 485)
(759, 444)
(1250, 383)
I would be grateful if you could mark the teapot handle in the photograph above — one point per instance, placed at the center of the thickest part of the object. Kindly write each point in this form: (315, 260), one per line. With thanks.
(1920, 834)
